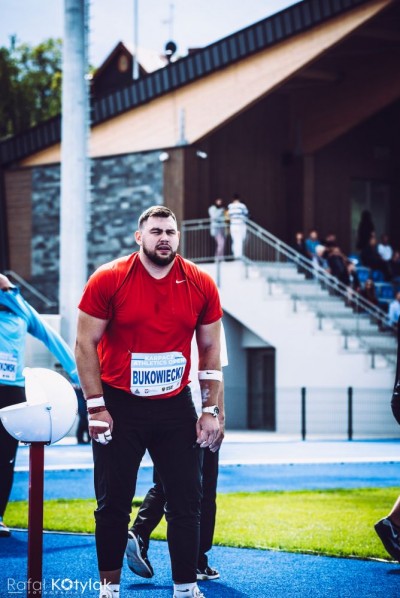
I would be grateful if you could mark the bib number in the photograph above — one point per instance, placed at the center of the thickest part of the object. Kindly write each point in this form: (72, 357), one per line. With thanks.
(154, 374)
(8, 367)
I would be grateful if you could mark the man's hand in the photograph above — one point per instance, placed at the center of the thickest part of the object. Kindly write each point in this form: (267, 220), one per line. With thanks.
(102, 432)
(216, 445)
(207, 429)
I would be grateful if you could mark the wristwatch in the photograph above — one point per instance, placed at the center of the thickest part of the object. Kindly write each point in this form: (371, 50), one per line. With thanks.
(214, 410)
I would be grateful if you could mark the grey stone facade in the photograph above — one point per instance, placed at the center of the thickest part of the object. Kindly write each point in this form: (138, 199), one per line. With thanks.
(121, 188)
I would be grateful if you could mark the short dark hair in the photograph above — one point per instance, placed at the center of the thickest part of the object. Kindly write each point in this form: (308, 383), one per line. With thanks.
(157, 212)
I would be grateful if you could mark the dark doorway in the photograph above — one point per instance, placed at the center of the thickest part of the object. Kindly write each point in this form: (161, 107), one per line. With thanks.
(261, 389)
(373, 196)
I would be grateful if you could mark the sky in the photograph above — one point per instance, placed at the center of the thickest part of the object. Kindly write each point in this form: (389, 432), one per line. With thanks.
(194, 23)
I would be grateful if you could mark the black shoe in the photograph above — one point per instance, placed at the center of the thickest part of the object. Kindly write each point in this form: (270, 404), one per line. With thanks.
(4, 531)
(136, 556)
(389, 537)
(207, 573)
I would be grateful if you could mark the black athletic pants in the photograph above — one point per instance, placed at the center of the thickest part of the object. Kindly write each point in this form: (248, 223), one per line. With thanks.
(151, 510)
(9, 395)
(167, 428)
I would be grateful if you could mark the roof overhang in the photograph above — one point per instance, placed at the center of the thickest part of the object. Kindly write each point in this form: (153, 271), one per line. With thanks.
(195, 110)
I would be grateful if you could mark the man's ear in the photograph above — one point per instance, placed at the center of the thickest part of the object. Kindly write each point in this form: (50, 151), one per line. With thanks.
(138, 237)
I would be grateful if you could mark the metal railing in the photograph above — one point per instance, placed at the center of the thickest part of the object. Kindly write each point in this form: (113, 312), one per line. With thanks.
(350, 312)
(32, 290)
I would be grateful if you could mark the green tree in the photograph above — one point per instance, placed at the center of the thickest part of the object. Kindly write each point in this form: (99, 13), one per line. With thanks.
(30, 83)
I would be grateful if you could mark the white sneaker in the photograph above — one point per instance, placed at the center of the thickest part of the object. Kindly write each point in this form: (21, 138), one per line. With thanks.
(194, 593)
(108, 592)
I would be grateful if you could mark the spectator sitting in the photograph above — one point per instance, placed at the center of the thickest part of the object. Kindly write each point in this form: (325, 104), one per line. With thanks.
(371, 259)
(330, 240)
(369, 292)
(320, 258)
(299, 245)
(354, 284)
(385, 250)
(354, 281)
(337, 264)
(311, 244)
(394, 310)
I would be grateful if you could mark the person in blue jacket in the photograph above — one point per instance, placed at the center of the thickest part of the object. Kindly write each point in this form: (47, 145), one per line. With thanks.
(17, 319)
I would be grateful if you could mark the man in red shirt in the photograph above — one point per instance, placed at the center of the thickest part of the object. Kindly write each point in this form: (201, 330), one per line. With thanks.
(136, 321)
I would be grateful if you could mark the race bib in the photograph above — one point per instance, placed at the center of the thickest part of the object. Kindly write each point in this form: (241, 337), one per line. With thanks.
(156, 373)
(8, 367)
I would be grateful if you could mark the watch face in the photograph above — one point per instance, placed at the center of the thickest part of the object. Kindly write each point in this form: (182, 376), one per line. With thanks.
(214, 410)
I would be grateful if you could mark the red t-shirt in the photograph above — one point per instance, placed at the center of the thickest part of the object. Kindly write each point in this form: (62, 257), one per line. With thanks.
(145, 348)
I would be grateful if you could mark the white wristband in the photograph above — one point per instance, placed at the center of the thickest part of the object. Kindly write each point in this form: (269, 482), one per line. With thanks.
(210, 375)
(95, 402)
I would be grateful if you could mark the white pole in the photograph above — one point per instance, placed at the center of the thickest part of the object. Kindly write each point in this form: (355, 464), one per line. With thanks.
(135, 65)
(74, 166)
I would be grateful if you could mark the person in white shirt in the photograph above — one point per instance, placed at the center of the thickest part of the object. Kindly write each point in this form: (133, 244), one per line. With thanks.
(394, 310)
(238, 213)
(385, 250)
(216, 213)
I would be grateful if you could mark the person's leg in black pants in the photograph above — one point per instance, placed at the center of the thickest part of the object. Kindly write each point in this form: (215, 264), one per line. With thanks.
(177, 458)
(151, 511)
(208, 506)
(9, 395)
(148, 517)
(167, 427)
(115, 472)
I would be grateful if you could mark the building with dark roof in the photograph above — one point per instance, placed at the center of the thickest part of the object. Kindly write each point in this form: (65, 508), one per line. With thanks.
(299, 113)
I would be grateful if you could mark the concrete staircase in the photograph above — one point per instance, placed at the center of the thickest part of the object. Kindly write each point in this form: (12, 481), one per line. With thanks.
(319, 339)
(320, 346)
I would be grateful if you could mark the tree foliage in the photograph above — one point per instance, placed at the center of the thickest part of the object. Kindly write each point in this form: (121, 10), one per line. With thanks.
(30, 83)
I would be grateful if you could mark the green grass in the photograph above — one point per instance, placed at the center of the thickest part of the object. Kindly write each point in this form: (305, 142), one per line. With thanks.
(329, 522)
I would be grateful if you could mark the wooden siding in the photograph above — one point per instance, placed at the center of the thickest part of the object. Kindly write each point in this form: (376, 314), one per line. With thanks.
(18, 184)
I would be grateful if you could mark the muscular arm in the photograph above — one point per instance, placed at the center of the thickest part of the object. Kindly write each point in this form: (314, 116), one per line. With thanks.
(209, 346)
(90, 330)
(208, 339)
(216, 445)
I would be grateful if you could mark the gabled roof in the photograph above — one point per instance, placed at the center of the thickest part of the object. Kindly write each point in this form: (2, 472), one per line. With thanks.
(270, 31)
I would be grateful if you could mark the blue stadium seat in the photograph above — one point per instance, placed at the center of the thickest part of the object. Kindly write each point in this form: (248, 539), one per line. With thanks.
(384, 290)
(377, 276)
(384, 293)
(396, 283)
(363, 274)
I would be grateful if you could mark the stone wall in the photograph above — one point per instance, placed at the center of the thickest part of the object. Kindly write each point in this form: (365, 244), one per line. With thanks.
(121, 188)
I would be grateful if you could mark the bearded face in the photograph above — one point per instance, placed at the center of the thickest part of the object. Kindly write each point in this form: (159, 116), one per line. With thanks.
(159, 240)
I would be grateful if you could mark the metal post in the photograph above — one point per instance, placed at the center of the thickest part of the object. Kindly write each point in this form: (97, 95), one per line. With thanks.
(303, 413)
(35, 519)
(74, 165)
(350, 412)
